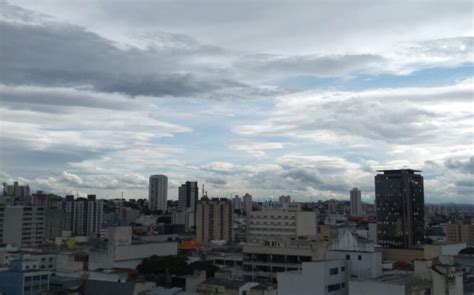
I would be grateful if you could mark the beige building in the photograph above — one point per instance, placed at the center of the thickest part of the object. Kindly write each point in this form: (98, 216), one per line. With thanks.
(214, 220)
(280, 223)
(461, 232)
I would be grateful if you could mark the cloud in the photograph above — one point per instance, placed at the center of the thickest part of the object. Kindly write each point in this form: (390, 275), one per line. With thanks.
(466, 166)
(402, 116)
(256, 149)
(71, 56)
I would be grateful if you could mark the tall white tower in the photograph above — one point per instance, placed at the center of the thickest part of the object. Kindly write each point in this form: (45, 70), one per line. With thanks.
(158, 192)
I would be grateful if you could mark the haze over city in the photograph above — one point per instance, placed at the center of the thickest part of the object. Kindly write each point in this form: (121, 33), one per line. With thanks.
(265, 98)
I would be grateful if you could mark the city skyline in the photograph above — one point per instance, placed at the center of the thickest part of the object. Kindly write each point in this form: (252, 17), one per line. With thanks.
(248, 99)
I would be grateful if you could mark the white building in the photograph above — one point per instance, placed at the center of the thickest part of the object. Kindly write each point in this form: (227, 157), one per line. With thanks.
(184, 217)
(24, 277)
(158, 192)
(261, 262)
(315, 278)
(279, 223)
(85, 215)
(392, 283)
(285, 201)
(119, 251)
(22, 226)
(43, 261)
(247, 203)
(356, 202)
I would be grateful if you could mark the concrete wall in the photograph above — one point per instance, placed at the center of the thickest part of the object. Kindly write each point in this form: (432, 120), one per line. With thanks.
(314, 278)
(368, 266)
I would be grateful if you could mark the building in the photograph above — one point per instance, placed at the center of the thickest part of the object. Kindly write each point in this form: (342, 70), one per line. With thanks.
(84, 216)
(186, 217)
(447, 280)
(214, 286)
(399, 199)
(318, 277)
(56, 222)
(285, 201)
(214, 220)
(392, 283)
(188, 194)
(44, 261)
(118, 250)
(280, 223)
(237, 203)
(158, 192)
(22, 226)
(16, 194)
(262, 261)
(356, 202)
(24, 277)
(46, 200)
(363, 259)
(247, 203)
(462, 232)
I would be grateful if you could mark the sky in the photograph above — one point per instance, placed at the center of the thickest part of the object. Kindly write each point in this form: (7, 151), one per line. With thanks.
(306, 98)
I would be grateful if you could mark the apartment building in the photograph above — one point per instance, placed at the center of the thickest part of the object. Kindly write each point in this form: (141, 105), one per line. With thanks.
(214, 220)
(22, 226)
(281, 223)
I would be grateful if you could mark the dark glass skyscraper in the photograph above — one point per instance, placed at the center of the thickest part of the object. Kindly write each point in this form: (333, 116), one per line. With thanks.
(188, 195)
(400, 202)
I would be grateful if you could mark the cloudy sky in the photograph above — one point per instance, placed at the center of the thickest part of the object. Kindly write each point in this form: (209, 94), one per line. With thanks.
(270, 98)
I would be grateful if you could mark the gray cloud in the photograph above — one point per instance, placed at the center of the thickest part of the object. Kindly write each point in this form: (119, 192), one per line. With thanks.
(466, 166)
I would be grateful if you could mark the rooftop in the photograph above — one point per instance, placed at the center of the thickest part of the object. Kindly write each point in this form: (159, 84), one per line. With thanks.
(228, 284)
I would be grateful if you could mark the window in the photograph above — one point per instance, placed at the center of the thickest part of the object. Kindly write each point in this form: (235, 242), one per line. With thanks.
(343, 269)
(343, 285)
(333, 271)
(348, 257)
(334, 287)
(359, 257)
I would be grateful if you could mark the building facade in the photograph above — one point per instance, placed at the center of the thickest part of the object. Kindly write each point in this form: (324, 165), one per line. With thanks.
(188, 195)
(262, 261)
(22, 226)
(84, 215)
(319, 277)
(399, 199)
(356, 202)
(214, 220)
(247, 203)
(462, 232)
(158, 192)
(280, 223)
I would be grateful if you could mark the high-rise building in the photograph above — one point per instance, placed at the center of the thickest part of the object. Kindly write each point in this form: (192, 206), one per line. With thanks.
(356, 202)
(462, 232)
(284, 201)
(22, 226)
(158, 192)
(188, 194)
(400, 202)
(214, 220)
(248, 203)
(237, 202)
(85, 215)
(16, 194)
